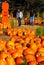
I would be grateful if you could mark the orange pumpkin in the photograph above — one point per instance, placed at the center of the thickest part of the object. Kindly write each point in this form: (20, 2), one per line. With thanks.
(30, 58)
(40, 59)
(3, 55)
(35, 21)
(42, 43)
(38, 45)
(19, 60)
(10, 44)
(19, 32)
(1, 32)
(1, 26)
(3, 62)
(10, 50)
(2, 45)
(28, 51)
(9, 31)
(33, 46)
(42, 37)
(27, 40)
(41, 50)
(41, 63)
(10, 61)
(32, 63)
(16, 54)
(39, 21)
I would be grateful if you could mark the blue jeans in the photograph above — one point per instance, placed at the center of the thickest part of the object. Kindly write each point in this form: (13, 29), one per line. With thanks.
(19, 21)
(32, 20)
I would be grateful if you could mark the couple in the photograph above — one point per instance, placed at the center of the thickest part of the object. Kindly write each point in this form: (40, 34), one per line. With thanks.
(19, 16)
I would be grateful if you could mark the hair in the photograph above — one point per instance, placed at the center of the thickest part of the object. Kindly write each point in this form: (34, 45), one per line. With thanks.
(5, 0)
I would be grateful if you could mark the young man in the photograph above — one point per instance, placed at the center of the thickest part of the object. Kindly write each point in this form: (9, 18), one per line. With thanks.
(19, 16)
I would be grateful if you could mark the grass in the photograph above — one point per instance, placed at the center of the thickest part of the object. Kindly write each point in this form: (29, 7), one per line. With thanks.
(40, 31)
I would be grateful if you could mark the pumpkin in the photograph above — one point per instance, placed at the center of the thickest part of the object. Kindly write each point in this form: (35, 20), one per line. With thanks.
(28, 51)
(8, 31)
(2, 46)
(39, 21)
(3, 62)
(14, 32)
(16, 53)
(42, 43)
(1, 32)
(32, 63)
(39, 54)
(41, 63)
(35, 21)
(30, 58)
(22, 41)
(42, 37)
(19, 60)
(1, 26)
(19, 32)
(41, 49)
(10, 61)
(40, 59)
(33, 46)
(10, 50)
(38, 45)
(3, 55)
(10, 44)
(27, 40)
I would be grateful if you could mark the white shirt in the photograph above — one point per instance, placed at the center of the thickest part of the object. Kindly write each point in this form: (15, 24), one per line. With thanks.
(20, 14)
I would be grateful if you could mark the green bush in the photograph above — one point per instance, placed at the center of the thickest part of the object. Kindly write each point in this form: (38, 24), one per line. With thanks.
(12, 23)
(40, 31)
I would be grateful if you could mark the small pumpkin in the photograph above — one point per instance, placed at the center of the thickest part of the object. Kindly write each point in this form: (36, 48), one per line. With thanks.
(32, 63)
(19, 60)
(3, 62)
(42, 43)
(30, 58)
(33, 46)
(10, 61)
(3, 55)
(28, 51)
(10, 44)
(40, 59)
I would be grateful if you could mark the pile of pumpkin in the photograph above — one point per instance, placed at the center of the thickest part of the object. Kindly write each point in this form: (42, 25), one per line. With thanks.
(38, 21)
(23, 48)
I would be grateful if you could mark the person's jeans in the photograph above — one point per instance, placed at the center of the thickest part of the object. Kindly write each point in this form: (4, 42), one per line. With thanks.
(19, 21)
(32, 20)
